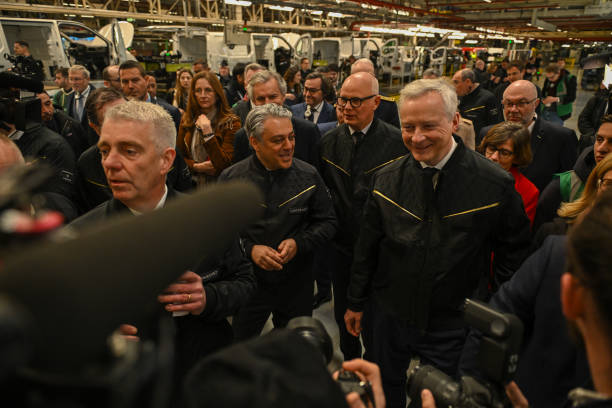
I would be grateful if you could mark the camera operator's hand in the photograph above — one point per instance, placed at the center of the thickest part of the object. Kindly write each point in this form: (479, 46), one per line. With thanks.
(353, 322)
(368, 371)
(266, 258)
(427, 399)
(186, 295)
(129, 331)
(515, 395)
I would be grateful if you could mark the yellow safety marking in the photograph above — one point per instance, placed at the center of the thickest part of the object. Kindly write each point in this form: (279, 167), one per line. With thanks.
(297, 195)
(396, 204)
(472, 210)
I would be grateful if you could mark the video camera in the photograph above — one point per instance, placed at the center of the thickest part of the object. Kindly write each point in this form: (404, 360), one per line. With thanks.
(26, 66)
(19, 105)
(313, 331)
(502, 335)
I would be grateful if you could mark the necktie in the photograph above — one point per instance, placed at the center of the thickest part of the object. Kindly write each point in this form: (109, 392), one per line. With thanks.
(358, 138)
(428, 184)
(79, 105)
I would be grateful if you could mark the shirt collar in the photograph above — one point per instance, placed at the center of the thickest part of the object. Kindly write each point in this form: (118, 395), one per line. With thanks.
(159, 205)
(445, 159)
(318, 107)
(83, 94)
(364, 130)
(530, 127)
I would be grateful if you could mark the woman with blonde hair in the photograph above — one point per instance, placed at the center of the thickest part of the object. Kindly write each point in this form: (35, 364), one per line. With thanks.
(206, 134)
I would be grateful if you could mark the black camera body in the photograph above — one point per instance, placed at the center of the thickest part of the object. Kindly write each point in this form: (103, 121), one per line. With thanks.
(26, 66)
(314, 333)
(19, 105)
(502, 334)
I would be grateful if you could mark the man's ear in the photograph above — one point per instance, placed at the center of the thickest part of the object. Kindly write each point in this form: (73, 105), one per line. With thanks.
(572, 297)
(254, 143)
(167, 159)
(377, 101)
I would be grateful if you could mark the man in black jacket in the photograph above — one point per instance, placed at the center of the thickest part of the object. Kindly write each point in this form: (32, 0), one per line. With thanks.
(350, 154)
(477, 104)
(91, 180)
(235, 90)
(596, 107)
(430, 225)
(63, 125)
(137, 146)
(299, 217)
(269, 87)
(554, 148)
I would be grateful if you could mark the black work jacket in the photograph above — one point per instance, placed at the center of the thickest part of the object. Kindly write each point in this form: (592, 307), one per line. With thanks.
(71, 130)
(228, 279)
(421, 259)
(348, 170)
(297, 205)
(482, 108)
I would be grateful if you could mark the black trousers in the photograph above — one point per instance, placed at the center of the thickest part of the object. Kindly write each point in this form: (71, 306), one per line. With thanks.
(395, 343)
(341, 272)
(322, 271)
(286, 300)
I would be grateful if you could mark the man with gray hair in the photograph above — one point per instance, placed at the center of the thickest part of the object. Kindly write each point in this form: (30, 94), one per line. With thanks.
(299, 217)
(430, 224)
(269, 87)
(78, 76)
(477, 104)
(137, 145)
(387, 109)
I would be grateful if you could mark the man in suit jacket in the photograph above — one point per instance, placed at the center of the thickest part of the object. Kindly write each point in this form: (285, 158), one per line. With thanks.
(269, 87)
(315, 109)
(554, 147)
(135, 87)
(78, 76)
(387, 108)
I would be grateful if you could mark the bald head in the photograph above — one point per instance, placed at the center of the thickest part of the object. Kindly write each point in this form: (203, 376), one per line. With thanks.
(525, 88)
(362, 65)
(364, 79)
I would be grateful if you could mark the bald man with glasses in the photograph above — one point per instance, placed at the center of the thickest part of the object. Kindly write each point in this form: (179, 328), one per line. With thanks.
(350, 154)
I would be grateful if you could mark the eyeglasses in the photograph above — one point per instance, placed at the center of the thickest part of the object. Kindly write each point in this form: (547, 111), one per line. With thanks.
(311, 90)
(604, 183)
(355, 102)
(505, 153)
(519, 104)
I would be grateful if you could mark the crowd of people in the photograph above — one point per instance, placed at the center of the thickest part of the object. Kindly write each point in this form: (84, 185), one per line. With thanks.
(403, 208)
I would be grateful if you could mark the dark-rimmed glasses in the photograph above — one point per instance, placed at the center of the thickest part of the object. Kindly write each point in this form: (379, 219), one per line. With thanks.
(490, 151)
(355, 102)
(519, 104)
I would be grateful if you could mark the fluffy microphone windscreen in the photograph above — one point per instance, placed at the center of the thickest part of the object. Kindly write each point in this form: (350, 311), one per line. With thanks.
(79, 290)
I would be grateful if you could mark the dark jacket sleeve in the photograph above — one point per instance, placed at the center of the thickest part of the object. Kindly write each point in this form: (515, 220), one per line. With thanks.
(517, 296)
(233, 287)
(571, 85)
(323, 224)
(179, 177)
(585, 122)
(548, 204)
(241, 146)
(365, 257)
(512, 238)
(569, 154)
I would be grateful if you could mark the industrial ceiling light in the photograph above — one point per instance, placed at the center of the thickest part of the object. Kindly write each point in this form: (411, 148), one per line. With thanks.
(471, 41)
(243, 3)
(279, 8)
(487, 1)
(316, 12)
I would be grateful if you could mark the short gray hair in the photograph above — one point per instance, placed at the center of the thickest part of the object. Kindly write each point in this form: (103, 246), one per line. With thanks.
(253, 66)
(431, 72)
(418, 88)
(366, 66)
(254, 122)
(467, 73)
(264, 76)
(79, 68)
(163, 133)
